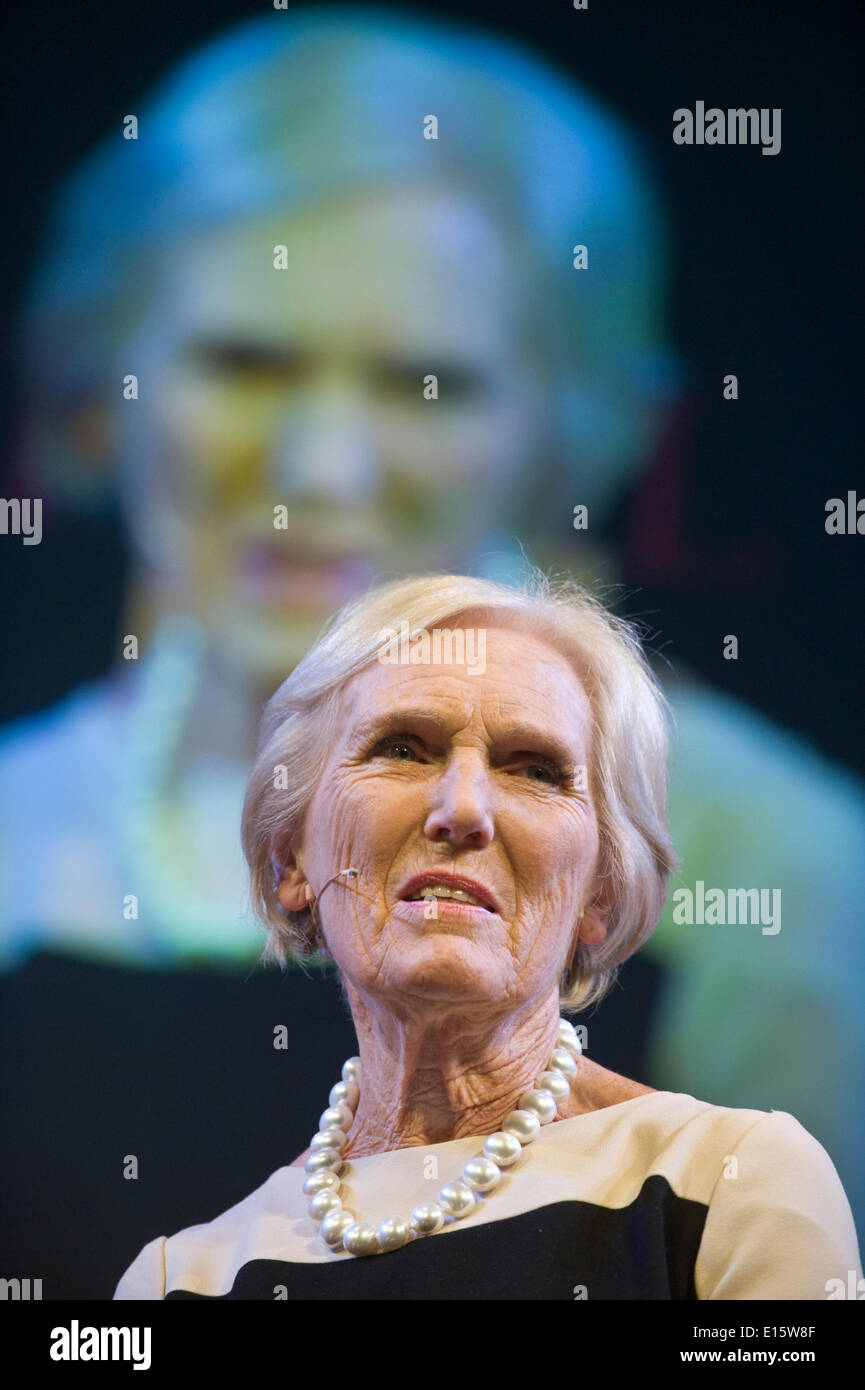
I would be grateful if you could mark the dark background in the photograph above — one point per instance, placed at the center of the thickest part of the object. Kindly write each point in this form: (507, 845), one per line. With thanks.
(767, 285)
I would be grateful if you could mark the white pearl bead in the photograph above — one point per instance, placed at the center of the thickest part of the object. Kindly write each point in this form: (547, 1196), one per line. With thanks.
(323, 1203)
(482, 1174)
(503, 1149)
(458, 1198)
(332, 1138)
(351, 1070)
(572, 1045)
(393, 1233)
(563, 1061)
(360, 1239)
(427, 1218)
(335, 1225)
(323, 1159)
(553, 1081)
(320, 1182)
(566, 1028)
(335, 1117)
(540, 1103)
(523, 1124)
(345, 1093)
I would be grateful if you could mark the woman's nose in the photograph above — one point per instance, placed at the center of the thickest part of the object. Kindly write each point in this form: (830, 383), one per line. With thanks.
(325, 448)
(462, 813)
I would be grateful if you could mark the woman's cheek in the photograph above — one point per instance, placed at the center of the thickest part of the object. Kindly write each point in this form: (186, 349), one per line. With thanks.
(361, 810)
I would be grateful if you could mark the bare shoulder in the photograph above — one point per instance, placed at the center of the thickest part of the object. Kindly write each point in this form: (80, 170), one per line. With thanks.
(595, 1087)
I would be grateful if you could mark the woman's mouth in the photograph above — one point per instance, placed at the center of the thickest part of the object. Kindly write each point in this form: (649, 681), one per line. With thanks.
(436, 909)
(450, 894)
(457, 895)
(272, 575)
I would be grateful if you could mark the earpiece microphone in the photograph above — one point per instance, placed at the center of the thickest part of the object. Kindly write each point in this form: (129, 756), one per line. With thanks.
(313, 899)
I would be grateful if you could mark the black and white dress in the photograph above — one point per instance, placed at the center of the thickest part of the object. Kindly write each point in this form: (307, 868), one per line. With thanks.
(659, 1197)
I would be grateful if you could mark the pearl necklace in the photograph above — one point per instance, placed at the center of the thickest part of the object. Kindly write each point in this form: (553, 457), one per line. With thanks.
(341, 1230)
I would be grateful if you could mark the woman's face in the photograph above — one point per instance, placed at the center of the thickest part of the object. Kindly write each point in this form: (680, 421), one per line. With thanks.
(303, 388)
(439, 769)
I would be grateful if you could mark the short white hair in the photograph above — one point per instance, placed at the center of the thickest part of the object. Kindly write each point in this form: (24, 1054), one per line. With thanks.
(627, 769)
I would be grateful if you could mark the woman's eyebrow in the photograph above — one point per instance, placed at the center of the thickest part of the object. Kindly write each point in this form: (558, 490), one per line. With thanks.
(529, 738)
(520, 737)
(236, 349)
(396, 720)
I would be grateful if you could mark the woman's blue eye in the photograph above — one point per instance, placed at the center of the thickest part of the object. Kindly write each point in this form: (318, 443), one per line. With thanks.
(553, 775)
(539, 767)
(395, 748)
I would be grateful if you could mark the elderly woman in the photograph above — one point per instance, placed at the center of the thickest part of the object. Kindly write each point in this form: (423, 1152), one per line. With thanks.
(460, 795)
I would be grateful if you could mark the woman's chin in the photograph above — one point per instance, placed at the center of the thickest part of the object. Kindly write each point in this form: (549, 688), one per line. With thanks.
(451, 964)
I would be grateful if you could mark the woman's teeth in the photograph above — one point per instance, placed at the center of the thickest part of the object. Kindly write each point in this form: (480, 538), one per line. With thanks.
(438, 890)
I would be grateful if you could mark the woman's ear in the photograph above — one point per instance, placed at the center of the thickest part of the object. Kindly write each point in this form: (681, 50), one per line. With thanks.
(292, 889)
(593, 926)
(596, 917)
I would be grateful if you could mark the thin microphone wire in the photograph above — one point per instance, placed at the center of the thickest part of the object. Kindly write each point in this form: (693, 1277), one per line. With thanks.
(314, 898)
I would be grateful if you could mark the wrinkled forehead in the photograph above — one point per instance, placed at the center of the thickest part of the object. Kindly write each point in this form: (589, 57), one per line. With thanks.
(409, 260)
(496, 675)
